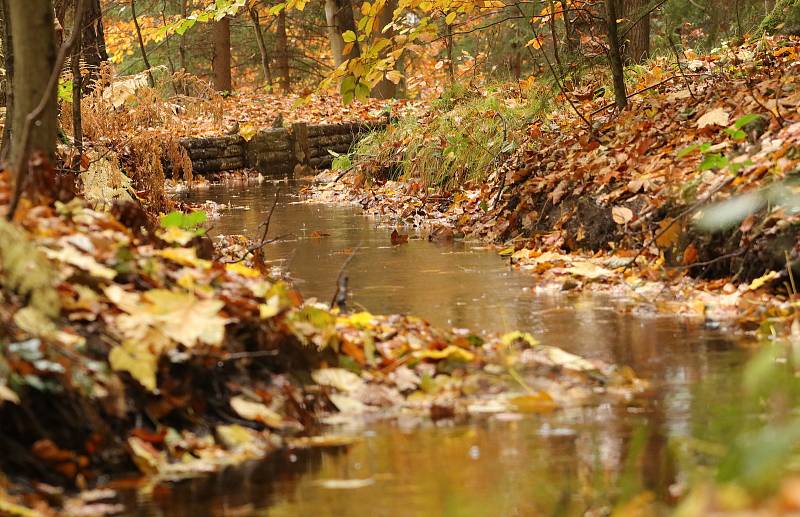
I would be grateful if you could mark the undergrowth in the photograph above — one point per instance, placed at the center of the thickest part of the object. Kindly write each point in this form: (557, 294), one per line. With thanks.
(460, 140)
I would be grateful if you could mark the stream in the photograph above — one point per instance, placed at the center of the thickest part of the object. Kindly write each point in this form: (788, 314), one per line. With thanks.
(557, 464)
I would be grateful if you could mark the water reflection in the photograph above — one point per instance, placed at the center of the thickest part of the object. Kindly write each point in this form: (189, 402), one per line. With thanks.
(540, 465)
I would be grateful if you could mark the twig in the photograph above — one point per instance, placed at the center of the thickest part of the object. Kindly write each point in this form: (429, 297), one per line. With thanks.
(263, 242)
(340, 296)
(680, 67)
(709, 262)
(32, 117)
(556, 76)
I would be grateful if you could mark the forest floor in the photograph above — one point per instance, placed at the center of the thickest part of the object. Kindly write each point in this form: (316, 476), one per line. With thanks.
(684, 201)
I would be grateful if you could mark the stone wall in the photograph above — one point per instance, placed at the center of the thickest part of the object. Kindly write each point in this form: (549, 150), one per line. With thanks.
(275, 151)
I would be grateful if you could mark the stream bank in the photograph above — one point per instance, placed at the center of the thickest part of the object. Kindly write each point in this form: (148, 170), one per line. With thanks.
(693, 213)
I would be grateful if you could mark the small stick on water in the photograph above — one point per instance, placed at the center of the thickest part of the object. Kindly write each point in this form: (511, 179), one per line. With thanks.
(340, 296)
(263, 242)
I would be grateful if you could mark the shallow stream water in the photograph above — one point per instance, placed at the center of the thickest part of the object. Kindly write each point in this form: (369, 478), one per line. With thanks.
(559, 464)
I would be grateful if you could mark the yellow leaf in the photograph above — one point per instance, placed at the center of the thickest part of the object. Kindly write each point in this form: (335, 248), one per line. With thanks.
(247, 131)
(539, 402)
(137, 361)
(184, 257)
(451, 351)
(450, 18)
(241, 269)
(270, 309)
(362, 320)
(762, 281)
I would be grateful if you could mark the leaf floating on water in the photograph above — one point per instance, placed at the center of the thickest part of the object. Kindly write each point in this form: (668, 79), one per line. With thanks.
(539, 402)
(345, 484)
(327, 440)
(398, 238)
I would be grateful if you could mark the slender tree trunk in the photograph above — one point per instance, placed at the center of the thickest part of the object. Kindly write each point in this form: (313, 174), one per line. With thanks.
(334, 32)
(77, 80)
(282, 52)
(615, 56)
(8, 59)
(569, 35)
(262, 46)
(386, 89)
(182, 41)
(150, 79)
(34, 57)
(221, 63)
(636, 39)
(451, 71)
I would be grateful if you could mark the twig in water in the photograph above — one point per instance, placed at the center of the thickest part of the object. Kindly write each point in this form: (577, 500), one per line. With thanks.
(340, 296)
(263, 242)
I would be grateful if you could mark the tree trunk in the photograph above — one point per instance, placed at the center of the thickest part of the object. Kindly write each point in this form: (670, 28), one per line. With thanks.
(339, 17)
(262, 46)
(221, 62)
(615, 56)
(77, 80)
(34, 57)
(386, 89)
(93, 39)
(150, 79)
(8, 59)
(334, 32)
(346, 22)
(282, 52)
(636, 35)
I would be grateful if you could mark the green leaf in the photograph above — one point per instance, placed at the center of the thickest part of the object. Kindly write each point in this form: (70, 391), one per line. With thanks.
(362, 91)
(349, 36)
(746, 119)
(713, 161)
(736, 134)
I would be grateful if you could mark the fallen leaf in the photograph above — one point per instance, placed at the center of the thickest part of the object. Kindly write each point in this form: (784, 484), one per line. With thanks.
(339, 378)
(621, 214)
(257, 412)
(715, 117)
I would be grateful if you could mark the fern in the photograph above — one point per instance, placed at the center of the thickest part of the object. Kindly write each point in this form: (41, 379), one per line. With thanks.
(26, 272)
